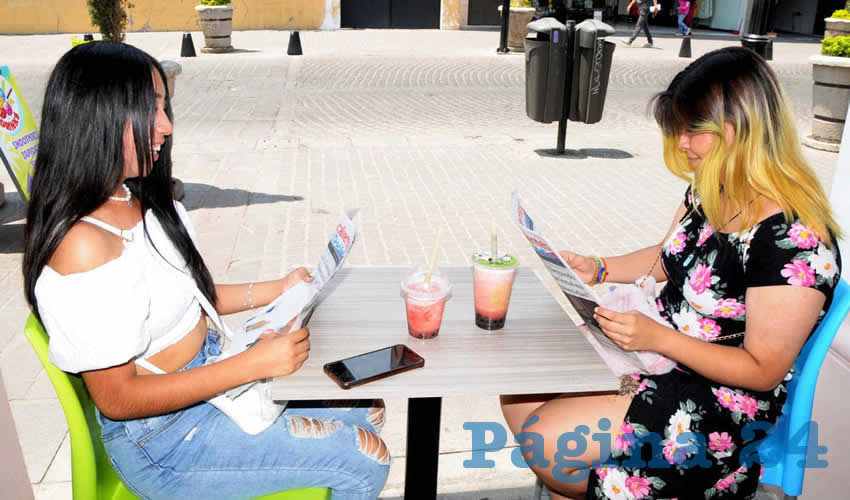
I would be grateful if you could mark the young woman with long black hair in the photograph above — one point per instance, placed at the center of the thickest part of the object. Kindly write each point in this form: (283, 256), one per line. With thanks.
(112, 269)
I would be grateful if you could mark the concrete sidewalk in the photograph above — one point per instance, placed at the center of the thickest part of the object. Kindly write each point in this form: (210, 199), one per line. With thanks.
(419, 129)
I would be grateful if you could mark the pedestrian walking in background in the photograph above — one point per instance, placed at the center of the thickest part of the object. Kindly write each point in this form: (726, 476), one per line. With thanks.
(684, 9)
(645, 7)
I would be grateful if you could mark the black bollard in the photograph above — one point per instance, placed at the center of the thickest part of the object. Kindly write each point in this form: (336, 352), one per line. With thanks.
(503, 35)
(294, 48)
(187, 49)
(685, 49)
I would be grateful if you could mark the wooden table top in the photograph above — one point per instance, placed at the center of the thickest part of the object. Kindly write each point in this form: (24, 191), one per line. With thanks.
(539, 350)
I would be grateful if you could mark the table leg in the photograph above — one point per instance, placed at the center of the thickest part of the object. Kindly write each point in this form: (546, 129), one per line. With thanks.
(423, 447)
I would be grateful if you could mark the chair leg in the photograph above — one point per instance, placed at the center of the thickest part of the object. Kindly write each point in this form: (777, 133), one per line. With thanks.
(538, 489)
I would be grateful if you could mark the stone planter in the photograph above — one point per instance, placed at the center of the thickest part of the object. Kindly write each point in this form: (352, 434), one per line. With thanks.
(217, 24)
(836, 27)
(518, 20)
(830, 97)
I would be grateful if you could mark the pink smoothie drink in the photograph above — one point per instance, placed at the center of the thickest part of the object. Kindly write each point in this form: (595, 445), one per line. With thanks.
(424, 303)
(493, 281)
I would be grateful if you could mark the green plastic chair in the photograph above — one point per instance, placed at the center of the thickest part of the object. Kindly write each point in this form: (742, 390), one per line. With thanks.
(92, 474)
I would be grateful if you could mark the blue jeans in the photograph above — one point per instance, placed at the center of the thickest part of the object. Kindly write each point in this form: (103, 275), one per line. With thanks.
(683, 28)
(198, 452)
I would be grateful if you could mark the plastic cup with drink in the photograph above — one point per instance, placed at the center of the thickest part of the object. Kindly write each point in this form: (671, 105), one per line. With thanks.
(492, 281)
(425, 293)
(425, 302)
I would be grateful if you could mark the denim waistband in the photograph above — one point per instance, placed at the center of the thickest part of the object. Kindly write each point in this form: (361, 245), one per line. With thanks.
(211, 347)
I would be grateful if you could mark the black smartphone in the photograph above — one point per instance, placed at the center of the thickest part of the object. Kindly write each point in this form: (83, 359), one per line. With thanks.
(373, 365)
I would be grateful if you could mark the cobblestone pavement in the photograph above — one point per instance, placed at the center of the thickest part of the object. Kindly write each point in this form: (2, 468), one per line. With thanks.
(419, 129)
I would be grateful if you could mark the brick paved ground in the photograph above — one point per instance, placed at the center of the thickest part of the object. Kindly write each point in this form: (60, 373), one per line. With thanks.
(419, 129)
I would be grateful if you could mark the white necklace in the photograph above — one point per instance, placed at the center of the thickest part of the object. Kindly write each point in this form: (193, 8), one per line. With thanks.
(128, 197)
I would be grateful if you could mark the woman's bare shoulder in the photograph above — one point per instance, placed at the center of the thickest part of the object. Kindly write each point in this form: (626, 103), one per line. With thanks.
(84, 248)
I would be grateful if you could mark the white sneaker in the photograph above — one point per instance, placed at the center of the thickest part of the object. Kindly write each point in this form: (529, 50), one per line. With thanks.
(648, 46)
(627, 44)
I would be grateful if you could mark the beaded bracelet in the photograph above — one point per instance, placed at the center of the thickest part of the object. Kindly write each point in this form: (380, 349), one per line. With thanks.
(249, 300)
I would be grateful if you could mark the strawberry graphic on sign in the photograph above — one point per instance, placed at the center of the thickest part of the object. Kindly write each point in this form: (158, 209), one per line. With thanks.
(10, 119)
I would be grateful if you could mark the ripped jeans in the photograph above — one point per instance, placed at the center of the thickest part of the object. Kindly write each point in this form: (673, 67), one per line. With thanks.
(198, 452)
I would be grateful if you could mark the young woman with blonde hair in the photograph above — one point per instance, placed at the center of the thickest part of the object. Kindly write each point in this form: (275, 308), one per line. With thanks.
(750, 265)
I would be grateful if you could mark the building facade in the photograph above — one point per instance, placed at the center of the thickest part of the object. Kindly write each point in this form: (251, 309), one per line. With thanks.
(71, 16)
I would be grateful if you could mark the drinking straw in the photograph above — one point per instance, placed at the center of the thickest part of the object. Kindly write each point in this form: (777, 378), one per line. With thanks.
(494, 242)
(433, 257)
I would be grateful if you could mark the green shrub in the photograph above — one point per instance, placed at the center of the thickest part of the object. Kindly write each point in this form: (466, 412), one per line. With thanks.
(213, 3)
(110, 16)
(838, 46)
(841, 14)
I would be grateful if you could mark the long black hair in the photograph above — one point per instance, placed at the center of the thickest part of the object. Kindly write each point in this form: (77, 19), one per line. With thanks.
(93, 91)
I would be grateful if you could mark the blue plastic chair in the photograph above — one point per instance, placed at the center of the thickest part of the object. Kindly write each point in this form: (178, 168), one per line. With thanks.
(784, 450)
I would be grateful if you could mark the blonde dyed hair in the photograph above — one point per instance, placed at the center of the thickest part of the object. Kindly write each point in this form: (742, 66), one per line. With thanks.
(735, 86)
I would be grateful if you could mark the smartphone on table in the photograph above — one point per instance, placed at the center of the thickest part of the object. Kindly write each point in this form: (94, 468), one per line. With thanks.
(374, 365)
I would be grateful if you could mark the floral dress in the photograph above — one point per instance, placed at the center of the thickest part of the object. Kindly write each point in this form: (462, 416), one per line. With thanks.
(709, 273)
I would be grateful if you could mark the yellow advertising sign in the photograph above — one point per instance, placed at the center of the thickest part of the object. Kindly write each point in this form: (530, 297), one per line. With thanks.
(18, 133)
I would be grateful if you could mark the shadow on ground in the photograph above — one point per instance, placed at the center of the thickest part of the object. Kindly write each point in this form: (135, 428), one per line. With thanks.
(207, 196)
(12, 238)
(13, 212)
(581, 154)
(12, 215)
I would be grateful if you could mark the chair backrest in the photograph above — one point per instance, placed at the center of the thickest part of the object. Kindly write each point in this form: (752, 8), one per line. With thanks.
(92, 475)
(785, 449)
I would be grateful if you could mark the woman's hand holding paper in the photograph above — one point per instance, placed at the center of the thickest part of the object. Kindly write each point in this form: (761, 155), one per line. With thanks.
(294, 277)
(277, 354)
(632, 331)
(584, 267)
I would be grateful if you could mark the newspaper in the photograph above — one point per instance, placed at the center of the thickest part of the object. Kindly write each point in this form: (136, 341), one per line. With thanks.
(298, 302)
(579, 295)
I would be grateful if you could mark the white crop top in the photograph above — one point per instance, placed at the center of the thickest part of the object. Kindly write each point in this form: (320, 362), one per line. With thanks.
(133, 306)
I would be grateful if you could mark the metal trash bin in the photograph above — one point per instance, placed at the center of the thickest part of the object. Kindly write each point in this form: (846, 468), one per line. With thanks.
(591, 70)
(760, 44)
(545, 60)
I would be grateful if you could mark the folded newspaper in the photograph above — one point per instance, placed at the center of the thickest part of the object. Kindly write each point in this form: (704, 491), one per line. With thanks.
(583, 300)
(298, 302)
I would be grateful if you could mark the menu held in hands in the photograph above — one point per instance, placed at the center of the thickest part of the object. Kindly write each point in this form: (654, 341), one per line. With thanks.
(579, 295)
(299, 301)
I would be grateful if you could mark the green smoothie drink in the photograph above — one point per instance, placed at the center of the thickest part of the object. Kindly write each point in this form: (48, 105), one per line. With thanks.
(493, 281)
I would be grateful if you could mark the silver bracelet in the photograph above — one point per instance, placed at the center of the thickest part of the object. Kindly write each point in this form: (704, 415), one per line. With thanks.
(249, 300)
